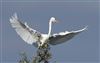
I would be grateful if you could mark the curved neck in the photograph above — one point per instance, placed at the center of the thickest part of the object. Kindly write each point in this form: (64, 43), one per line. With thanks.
(49, 32)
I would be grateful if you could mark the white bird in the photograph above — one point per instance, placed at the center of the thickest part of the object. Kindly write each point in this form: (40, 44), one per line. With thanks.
(32, 36)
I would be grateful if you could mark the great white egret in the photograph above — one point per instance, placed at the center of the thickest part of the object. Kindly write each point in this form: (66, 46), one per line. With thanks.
(32, 36)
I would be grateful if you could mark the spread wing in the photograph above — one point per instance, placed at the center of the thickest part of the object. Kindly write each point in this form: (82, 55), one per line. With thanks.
(28, 34)
(63, 36)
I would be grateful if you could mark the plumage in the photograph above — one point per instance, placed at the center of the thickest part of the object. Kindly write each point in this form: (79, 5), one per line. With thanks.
(28, 34)
(32, 36)
(63, 36)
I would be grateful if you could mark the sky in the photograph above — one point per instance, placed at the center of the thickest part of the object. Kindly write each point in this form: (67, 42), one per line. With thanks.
(72, 15)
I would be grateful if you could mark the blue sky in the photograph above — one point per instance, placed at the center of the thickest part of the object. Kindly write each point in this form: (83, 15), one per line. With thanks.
(72, 16)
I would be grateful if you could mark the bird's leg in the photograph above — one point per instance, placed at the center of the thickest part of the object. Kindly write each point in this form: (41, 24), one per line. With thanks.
(39, 45)
(46, 61)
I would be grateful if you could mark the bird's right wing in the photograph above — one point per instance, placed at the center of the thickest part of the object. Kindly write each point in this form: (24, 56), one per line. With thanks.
(28, 34)
(62, 37)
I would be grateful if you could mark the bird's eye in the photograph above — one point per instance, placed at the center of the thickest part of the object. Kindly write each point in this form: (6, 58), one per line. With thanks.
(54, 21)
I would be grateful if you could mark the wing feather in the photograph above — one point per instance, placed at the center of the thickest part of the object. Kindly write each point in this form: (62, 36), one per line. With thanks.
(28, 34)
(63, 36)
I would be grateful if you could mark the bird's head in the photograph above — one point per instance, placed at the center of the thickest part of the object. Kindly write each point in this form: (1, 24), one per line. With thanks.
(53, 20)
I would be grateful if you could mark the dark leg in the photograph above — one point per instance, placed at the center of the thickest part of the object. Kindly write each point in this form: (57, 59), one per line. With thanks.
(46, 61)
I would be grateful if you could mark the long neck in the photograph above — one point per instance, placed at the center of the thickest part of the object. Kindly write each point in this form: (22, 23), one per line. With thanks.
(49, 32)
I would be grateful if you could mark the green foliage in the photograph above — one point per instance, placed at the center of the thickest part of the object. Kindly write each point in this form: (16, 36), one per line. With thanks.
(24, 58)
(43, 55)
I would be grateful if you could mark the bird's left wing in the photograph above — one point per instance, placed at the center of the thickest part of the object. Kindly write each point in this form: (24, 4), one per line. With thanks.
(28, 34)
(63, 36)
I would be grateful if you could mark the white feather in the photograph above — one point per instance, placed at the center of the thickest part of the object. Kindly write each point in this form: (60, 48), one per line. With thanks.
(63, 36)
(31, 36)
(28, 34)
